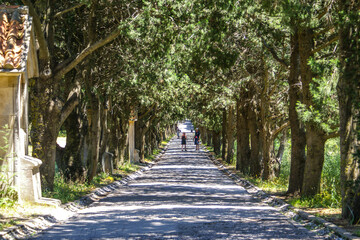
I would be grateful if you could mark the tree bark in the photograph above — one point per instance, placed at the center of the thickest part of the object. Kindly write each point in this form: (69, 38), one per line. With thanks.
(315, 142)
(349, 104)
(242, 135)
(216, 142)
(209, 138)
(315, 137)
(94, 138)
(230, 135)
(255, 157)
(48, 111)
(279, 154)
(265, 126)
(224, 137)
(203, 133)
(73, 167)
(298, 137)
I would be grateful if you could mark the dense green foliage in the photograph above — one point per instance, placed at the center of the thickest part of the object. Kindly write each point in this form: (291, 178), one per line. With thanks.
(264, 74)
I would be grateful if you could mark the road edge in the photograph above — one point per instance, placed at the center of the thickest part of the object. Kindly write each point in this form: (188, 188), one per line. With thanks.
(288, 210)
(36, 225)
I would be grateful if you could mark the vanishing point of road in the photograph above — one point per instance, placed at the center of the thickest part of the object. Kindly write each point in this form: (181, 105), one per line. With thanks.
(183, 196)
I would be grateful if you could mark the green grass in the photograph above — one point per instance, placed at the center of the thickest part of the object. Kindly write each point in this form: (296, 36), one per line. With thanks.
(129, 168)
(9, 223)
(330, 195)
(322, 200)
(357, 233)
(71, 191)
(273, 186)
(209, 148)
(68, 191)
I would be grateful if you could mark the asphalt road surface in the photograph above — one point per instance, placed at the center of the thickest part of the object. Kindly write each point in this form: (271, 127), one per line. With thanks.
(184, 196)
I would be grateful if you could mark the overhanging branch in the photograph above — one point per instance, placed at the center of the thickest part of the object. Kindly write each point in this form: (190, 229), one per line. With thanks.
(275, 56)
(70, 104)
(68, 10)
(329, 42)
(86, 52)
(279, 129)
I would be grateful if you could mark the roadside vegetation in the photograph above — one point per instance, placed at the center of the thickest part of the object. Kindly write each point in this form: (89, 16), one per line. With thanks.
(273, 87)
(12, 213)
(326, 204)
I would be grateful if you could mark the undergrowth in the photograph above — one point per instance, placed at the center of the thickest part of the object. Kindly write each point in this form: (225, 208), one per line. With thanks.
(6, 224)
(330, 195)
(68, 191)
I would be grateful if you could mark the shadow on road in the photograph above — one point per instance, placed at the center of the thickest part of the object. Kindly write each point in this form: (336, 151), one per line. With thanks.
(184, 196)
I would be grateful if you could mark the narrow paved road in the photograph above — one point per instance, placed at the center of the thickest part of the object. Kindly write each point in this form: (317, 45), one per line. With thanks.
(184, 196)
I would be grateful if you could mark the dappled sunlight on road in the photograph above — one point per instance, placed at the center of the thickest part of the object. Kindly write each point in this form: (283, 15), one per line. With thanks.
(184, 196)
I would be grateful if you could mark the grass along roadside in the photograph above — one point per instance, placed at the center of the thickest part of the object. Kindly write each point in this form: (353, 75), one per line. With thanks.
(325, 205)
(15, 213)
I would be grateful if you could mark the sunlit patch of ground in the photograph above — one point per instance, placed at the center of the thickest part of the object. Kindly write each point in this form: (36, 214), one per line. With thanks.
(332, 215)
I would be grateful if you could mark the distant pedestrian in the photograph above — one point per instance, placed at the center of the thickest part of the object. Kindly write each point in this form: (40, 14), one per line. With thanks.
(178, 132)
(197, 139)
(183, 142)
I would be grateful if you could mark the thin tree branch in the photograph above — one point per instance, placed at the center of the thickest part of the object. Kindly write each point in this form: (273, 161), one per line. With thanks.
(275, 56)
(148, 111)
(146, 129)
(71, 103)
(279, 129)
(323, 12)
(332, 135)
(86, 52)
(332, 40)
(68, 10)
(324, 31)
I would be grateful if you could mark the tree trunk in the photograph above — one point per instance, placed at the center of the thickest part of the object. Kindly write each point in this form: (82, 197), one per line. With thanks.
(94, 138)
(265, 126)
(224, 137)
(242, 135)
(298, 137)
(315, 137)
(142, 146)
(104, 136)
(266, 154)
(315, 142)
(209, 138)
(203, 134)
(230, 136)
(349, 104)
(45, 121)
(255, 158)
(279, 155)
(139, 129)
(216, 142)
(74, 168)
(48, 111)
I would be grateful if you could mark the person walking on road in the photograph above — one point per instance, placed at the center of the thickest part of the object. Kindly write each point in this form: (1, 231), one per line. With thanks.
(197, 139)
(183, 142)
(178, 132)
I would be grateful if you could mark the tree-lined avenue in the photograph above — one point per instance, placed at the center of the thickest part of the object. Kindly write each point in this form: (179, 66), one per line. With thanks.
(184, 196)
